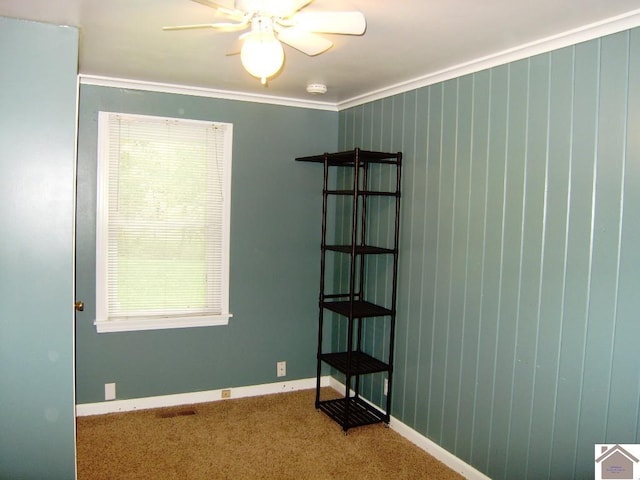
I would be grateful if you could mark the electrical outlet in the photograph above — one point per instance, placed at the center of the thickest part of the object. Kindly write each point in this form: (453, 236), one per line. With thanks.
(225, 393)
(385, 387)
(281, 369)
(109, 391)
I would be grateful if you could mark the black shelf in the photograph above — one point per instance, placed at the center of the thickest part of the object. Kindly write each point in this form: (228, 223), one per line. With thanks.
(358, 364)
(350, 157)
(351, 410)
(361, 309)
(360, 249)
(358, 414)
(364, 193)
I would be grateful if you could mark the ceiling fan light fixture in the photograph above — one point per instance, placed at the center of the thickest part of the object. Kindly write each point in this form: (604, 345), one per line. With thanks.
(262, 54)
(274, 22)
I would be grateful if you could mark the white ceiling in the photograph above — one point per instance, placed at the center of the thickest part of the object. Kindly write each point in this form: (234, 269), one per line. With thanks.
(406, 40)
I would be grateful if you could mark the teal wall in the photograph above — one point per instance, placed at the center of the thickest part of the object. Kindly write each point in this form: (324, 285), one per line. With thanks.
(517, 344)
(275, 232)
(37, 135)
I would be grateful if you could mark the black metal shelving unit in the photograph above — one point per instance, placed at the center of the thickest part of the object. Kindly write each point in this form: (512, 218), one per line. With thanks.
(351, 410)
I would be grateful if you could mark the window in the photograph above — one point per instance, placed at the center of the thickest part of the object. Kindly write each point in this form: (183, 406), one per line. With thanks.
(163, 223)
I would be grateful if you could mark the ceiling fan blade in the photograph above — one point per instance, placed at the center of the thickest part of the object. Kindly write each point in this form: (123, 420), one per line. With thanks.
(305, 41)
(223, 26)
(297, 5)
(230, 12)
(346, 23)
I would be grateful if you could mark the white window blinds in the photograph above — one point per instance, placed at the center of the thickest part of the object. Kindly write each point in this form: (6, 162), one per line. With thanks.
(163, 228)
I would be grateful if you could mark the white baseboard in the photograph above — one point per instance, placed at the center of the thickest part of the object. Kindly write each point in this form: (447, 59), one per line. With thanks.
(115, 406)
(407, 432)
(436, 451)
(429, 446)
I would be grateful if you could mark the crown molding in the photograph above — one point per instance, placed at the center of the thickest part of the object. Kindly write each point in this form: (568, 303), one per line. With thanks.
(202, 92)
(581, 34)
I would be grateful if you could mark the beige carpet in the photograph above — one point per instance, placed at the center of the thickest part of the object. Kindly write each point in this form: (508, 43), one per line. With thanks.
(270, 437)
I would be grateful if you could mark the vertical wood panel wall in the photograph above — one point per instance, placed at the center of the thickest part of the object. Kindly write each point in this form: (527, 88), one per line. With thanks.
(519, 295)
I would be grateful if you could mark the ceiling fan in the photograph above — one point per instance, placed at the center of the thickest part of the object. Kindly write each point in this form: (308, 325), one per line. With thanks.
(274, 21)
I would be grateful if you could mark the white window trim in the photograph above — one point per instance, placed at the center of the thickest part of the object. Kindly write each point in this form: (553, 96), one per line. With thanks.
(160, 322)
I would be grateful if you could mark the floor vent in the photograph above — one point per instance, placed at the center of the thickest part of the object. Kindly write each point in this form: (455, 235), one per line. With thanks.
(183, 412)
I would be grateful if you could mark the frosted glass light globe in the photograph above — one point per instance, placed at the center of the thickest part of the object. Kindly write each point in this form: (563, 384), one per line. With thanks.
(262, 55)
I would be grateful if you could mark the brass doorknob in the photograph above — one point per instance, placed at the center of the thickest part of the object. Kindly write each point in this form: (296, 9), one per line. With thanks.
(79, 306)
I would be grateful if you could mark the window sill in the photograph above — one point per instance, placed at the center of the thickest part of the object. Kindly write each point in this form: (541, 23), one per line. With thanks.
(159, 323)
